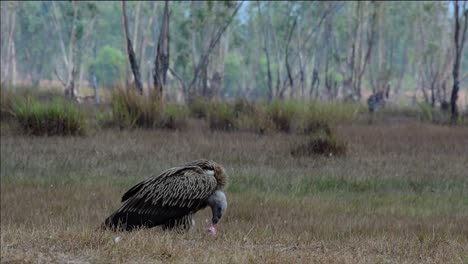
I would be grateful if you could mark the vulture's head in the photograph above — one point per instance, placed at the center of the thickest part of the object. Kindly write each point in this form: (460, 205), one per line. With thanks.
(218, 203)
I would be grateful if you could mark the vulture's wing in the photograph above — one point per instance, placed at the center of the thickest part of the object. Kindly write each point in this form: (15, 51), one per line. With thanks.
(172, 195)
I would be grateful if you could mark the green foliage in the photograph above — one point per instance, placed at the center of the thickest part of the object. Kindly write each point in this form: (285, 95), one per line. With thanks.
(58, 117)
(109, 65)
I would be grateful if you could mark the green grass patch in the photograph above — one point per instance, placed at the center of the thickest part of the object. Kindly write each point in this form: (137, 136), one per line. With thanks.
(58, 117)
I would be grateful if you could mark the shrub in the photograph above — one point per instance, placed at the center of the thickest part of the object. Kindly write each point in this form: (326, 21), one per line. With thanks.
(426, 111)
(131, 110)
(58, 117)
(323, 116)
(321, 144)
(281, 115)
(257, 121)
(243, 107)
(174, 116)
(6, 104)
(221, 116)
(199, 107)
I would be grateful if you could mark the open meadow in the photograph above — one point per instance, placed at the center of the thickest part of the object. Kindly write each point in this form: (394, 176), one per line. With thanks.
(399, 195)
(342, 127)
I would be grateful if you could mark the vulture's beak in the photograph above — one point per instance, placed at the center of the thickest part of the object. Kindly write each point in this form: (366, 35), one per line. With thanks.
(212, 229)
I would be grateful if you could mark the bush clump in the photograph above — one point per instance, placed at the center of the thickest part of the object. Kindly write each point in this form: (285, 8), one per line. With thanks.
(242, 107)
(58, 117)
(321, 144)
(6, 104)
(222, 116)
(131, 110)
(281, 115)
(257, 121)
(199, 107)
(174, 116)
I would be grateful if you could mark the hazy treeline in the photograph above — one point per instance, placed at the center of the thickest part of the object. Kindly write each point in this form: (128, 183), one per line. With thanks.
(269, 49)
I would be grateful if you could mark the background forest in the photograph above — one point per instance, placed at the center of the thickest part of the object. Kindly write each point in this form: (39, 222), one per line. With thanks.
(253, 49)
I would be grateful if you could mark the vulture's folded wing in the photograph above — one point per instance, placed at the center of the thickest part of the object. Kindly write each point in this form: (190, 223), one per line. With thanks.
(173, 195)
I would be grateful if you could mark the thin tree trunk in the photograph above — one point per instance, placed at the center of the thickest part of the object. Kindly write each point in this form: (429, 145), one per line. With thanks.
(288, 67)
(380, 49)
(161, 63)
(84, 56)
(459, 42)
(370, 43)
(10, 45)
(130, 52)
(137, 23)
(144, 43)
(279, 68)
(266, 49)
(13, 64)
(70, 86)
(58, 28)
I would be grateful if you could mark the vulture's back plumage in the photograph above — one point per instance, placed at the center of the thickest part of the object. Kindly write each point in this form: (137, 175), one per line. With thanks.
(171, 198)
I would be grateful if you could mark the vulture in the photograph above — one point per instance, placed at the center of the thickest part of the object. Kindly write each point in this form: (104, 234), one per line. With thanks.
(171, 199)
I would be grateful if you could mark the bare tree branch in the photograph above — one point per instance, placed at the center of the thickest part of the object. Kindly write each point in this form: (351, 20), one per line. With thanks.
(213, 42)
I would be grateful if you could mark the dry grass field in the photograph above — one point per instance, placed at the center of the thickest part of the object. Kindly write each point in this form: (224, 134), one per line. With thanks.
(400, 195)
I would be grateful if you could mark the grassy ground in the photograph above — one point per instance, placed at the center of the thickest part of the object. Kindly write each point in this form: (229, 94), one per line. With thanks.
(399, 196)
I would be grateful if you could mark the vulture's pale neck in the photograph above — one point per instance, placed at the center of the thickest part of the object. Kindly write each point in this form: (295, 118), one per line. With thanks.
(218, 203)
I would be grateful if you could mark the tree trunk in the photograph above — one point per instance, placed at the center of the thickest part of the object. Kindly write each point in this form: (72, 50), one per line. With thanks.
(10, 56)
(84, 45)
(136, 23)
(144, 42)
(380, 49)
(130, 51)
(217, 66)
(459, 42)
(161, 63)
(288, 66)
(266, 49)
(70, 84)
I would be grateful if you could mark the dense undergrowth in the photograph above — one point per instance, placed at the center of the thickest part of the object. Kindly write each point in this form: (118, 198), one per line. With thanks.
(49, 113)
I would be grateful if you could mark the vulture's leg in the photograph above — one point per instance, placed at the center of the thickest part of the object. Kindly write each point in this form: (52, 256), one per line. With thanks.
(183, 223)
